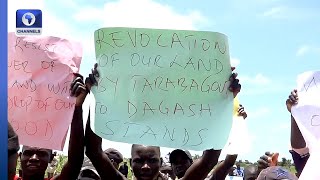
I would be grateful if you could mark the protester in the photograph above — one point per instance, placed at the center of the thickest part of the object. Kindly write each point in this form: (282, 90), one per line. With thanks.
(168, 171)
(268, 168)
(145, 160)
(250, 172)
(115, 156)
(180, 161)
(13, 148)
(300, 152)
(34, 160)
(227, 168)
(267, 160)
(52, 166)
(124, 169)
(238, 170)
(276, 172)
(224, 169)
(88, 172)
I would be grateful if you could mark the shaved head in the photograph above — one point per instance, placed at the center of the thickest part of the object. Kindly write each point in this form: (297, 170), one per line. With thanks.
(145, 161)
(135, 147)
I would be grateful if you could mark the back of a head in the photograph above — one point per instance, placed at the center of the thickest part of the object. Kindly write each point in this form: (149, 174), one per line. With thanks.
(88, 171)
(114, 155)
(13, 141)
(275, 173)
(250, 172)
(13, 148)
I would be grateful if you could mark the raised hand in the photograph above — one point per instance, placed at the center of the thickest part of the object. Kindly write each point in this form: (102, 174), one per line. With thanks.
(92, 80)
(292, 99)
(268, 160)
(242, 112)
(78, 89)
(234, 87)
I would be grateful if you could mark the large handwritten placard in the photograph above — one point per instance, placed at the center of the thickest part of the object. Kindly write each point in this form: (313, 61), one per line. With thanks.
(40, 72)
(307, 111)
(307, 116)
(163, 87)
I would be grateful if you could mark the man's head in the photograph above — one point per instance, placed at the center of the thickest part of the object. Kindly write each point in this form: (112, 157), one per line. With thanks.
(13, 148)
(145, 161)
(238, 165)
(88, 172)
(115, 157)
(275, 173)
(180, 161)
(167, 170)
(34, 160)
(250, 172)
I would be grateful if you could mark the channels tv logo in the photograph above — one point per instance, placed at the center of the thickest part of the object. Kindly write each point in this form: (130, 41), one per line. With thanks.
(28, 22)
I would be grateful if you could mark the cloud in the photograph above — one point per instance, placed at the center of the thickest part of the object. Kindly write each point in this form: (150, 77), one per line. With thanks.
(259, 84)
(234, 61)
(89, 14)
(276, 12)
(306, 49)
(291, 13)
(140, 13)
(260, 112)
(303, 50)
(258, 79)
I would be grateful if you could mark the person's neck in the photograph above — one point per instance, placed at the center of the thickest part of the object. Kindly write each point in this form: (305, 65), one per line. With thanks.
(33, 177)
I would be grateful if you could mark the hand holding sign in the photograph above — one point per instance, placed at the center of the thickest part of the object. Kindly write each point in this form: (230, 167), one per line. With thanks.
(163, 87)
(307, 116)
(78, 89)
(40, 72)
(292, 100)
(307, 111)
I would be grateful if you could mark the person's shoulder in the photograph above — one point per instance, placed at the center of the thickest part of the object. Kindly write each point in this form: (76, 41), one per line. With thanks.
(16, 177)
(54, 177)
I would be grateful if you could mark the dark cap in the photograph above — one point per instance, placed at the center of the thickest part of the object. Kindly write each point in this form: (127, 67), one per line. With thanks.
(114, 154)
(87, 166)
(13, 141)
(276, 172)
(173, 155)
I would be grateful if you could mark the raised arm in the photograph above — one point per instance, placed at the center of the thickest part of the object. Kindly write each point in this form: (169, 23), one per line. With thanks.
(297, 140)
(222, 169)
(76, 143)
(93, 144)
(267, 160)
(300, 153)
(200, 169)
(98, 158)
